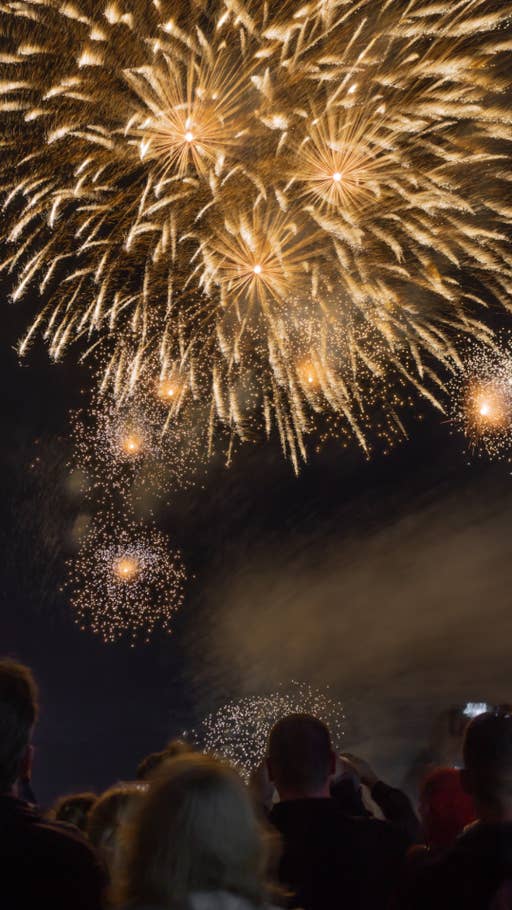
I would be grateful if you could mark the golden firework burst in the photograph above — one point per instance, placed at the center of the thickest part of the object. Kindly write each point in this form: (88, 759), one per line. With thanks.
(183, 190)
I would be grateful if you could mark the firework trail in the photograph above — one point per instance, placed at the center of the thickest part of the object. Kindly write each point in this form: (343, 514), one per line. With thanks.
(234, 189)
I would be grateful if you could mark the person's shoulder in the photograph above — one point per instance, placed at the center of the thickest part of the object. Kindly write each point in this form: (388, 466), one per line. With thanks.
(53, 838)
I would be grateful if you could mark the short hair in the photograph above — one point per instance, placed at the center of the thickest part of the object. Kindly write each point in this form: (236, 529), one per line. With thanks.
(195, 830)
(149, 765)
(488, 755)
(18, 713)
(74, 809)
(299, 753)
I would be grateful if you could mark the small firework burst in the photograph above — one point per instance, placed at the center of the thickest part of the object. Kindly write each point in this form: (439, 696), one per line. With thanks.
(482, 399)
(239, 730)
(138, 444)
(126, 581)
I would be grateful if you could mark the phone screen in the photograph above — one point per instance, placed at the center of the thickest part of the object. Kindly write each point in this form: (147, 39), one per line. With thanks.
(474, 708)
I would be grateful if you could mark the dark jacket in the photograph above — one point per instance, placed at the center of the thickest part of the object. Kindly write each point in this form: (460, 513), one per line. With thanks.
(331, 861)
(475, 874)
(43, 864)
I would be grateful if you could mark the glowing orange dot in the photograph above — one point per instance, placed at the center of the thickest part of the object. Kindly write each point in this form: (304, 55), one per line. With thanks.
(189, 137)
(131, 444)
(337, 177)
(126, 568)
(257, 269)
(167, 389)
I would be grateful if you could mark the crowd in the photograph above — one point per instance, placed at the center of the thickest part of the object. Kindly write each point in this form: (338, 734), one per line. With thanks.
(313, 830)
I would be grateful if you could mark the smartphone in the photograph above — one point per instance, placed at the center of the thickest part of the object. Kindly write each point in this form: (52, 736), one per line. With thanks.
(474, 708)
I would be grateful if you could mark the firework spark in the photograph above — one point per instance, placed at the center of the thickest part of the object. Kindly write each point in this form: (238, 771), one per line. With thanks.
(126, 581)
(239, 730)
(482, 399)
(186, 189)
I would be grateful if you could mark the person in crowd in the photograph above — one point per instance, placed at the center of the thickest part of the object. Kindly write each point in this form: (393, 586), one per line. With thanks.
(193, 842)
(476, 872)
(394, 805)
(111, 810)
(151, 763)
(73, 809)
(445, 809)
(329, 859)
(42, 864)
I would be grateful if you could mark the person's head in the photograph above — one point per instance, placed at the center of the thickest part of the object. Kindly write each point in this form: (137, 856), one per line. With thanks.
(74, 809)
(445, 807)
(195, 830)
(110, 810)
(487, 774)
(18, 714)
(300, 757)
(149, 765)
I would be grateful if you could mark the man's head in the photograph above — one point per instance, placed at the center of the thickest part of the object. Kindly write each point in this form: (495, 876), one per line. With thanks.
(18, 713)
(488, 764)
(300, 757)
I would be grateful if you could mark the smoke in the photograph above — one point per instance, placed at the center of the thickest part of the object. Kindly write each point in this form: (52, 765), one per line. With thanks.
(402, 619)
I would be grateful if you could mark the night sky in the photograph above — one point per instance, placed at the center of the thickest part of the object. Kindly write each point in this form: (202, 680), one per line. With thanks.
(388, 580)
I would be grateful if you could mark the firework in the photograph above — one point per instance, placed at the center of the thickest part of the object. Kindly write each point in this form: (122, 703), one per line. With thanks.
(482, 399)
(126, 581)
(239, 730)
(186, 184)
(137, 445)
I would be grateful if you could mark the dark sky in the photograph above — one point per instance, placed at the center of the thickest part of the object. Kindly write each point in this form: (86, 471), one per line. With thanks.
(387, 579)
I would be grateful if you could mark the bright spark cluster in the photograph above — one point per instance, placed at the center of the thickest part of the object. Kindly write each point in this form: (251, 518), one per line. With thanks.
(126, 581)
(239, 731)
(482, 399)
(138, 444)
(191, 183)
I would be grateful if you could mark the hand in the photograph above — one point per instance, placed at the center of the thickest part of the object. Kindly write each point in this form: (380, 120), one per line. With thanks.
(344, 769)
(261, 786)
(364, 771)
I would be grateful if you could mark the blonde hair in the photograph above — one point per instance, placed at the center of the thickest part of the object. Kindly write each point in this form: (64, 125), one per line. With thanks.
(195, 830)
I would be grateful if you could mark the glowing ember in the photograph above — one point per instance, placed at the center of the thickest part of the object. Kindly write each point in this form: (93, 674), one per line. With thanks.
(126, 568)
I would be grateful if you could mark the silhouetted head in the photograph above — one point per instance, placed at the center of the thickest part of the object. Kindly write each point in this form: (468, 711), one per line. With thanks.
(487, 771)
(194, 831)
(74, 809)
(300, 757)
(151, 763)
(110, 811)
(445, 807)
(18, 714)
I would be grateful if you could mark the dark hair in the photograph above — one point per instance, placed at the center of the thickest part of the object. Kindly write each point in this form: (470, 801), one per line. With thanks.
(299, 753)
(195, 830)
(149, 765)
(488, 755)
(74, 809)
(18, 713)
